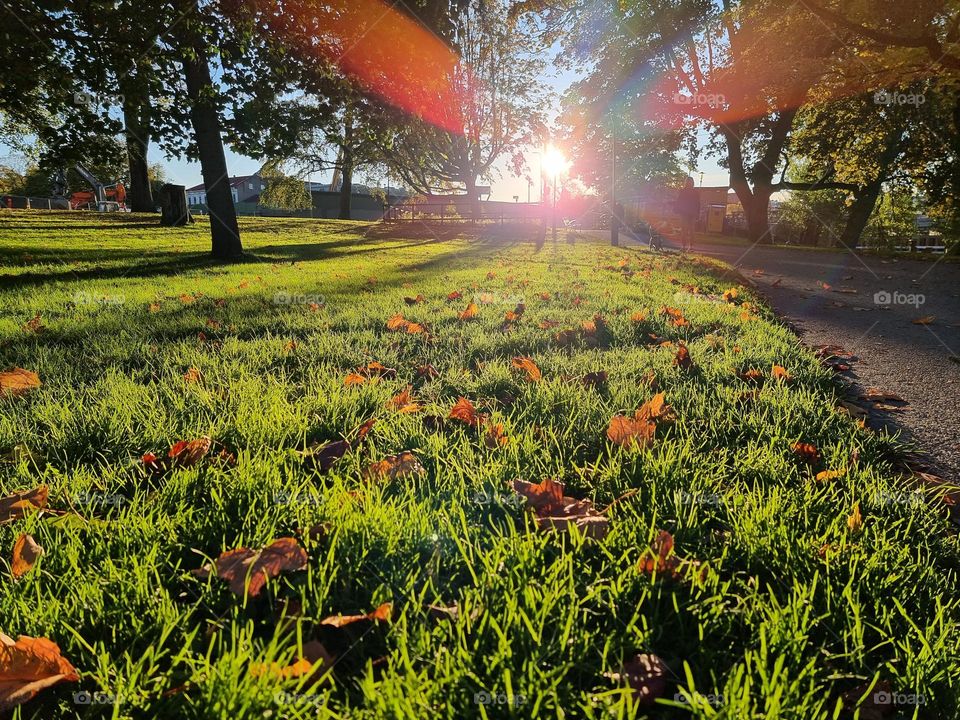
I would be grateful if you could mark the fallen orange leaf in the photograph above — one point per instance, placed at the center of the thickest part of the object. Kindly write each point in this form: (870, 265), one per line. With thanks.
(18, 381)
(28, 666)
(393, 467)
(234, 566)
(26, 551)
(529, 368)
(13, 507)
(382, 614)
(470, 312)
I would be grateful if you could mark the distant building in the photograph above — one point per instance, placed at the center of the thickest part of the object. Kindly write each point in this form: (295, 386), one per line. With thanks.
(242, 188)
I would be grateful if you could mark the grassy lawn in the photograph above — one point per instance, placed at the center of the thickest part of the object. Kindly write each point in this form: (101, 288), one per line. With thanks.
(794, 609)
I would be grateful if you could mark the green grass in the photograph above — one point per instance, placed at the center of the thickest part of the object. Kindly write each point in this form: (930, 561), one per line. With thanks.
(771, 627)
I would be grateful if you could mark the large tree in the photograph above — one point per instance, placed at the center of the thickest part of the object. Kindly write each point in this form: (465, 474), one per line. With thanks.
(498, 105)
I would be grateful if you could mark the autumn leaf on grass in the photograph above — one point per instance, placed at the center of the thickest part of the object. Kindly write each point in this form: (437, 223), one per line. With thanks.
(153, 307)
(313, 653)
(638, 317)
(455, 295)
(529, 368)
(638, 431)
(855, 521)
(18, 381)
(730, 295)
(807, 452)
(828, 475)
(778, 372)
(15, 506)
(682, 359)
(427, 371)
(645, 674)
(404, 402)
(494, 437)
(28, 666)
(188, 453)
(34, 325)
(661, 560)
(354, 379)
(324, 456)
(464, 411)
(751, 375)
(397, 322)
(193, 375)
(383, 613)
(414, 300)
(26, 552)
(596, 380)
(555, 511)
(676, 316)
(393, 467)
(470, 312)
(234, 566)
(925, 320)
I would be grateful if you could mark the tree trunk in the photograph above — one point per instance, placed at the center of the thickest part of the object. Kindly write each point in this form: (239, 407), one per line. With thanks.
(346, 186)
(473, 197)
(864, 202)
(224, 231)
(137, 131)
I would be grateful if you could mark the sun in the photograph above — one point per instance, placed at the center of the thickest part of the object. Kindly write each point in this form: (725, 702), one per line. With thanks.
(554, 162)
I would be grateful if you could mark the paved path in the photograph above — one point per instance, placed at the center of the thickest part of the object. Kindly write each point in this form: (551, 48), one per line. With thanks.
(862, 304)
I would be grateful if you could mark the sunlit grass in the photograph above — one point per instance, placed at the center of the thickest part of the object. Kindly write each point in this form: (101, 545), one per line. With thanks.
(772, 628)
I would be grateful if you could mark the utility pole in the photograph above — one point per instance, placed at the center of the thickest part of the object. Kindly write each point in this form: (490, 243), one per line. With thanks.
(614, 217)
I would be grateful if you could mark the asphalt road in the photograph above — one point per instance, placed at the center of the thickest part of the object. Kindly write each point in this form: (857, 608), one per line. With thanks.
(867, 305)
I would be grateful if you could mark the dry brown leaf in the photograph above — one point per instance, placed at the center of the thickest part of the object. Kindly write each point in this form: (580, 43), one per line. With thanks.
(470, 312)
(28, 666)
(628, 431)
(34, 324)
(925, 320)
(313, 652)
(26, 552)
(193, 375)
(877, 395)
(324, 456)
(18, 381)
(529, 368)
(553, 510)
(393, 467)
(778, 372)
(397, 322)
(15, 506)
(682, 359)
(855, 521)
(464, 411)
(646, 674)
(404, 402)
(354, 379)
(828, 475)
(382, 614)
(234, 566)
(807, 452)
(187, 453)
(494, 437)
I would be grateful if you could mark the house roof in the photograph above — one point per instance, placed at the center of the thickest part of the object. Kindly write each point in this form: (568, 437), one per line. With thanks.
(234, 182)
